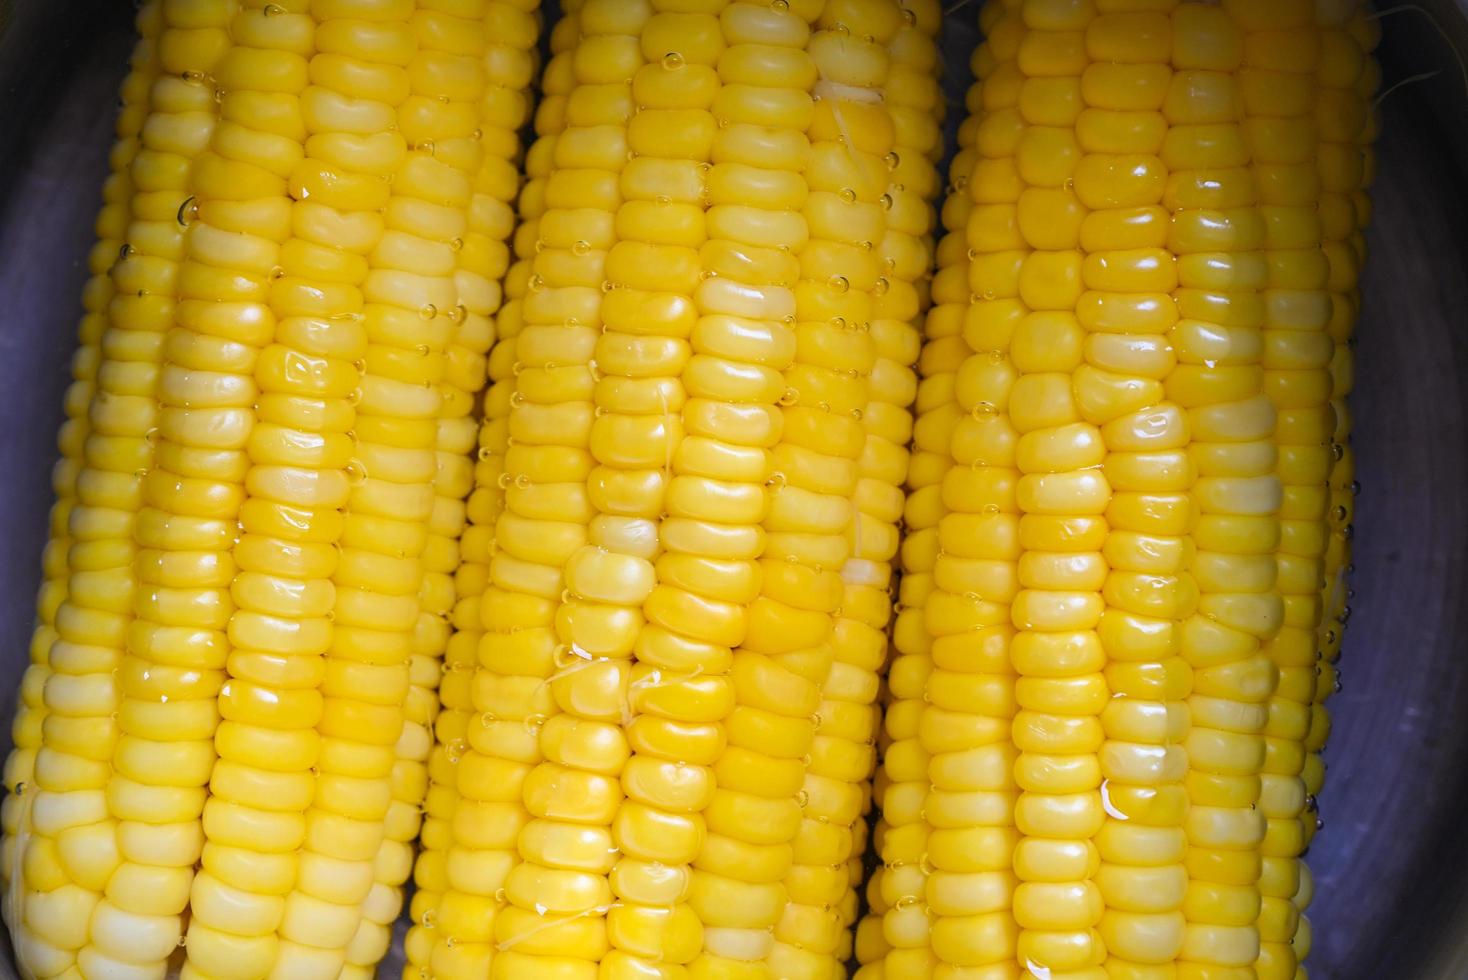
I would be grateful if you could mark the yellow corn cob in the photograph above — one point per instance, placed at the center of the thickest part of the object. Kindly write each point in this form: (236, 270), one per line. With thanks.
(571, 510)
(1297, 355)
(915, 101)
(508, 65)
(87, 825)
(111, 226)
(449, 823)
(1106, 116)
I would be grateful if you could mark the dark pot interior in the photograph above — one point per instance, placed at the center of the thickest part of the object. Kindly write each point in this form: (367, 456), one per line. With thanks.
(1392, 862)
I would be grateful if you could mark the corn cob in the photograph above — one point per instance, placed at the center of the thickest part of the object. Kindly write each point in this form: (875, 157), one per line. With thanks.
(840, 341)
(487, 500)
(111, 226)
(282, 288)
(1296, 358)
(438, 940)
(82, 811)
(850, 718)
(588, 249)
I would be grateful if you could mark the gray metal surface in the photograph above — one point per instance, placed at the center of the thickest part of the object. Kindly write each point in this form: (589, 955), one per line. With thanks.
(1392, 863)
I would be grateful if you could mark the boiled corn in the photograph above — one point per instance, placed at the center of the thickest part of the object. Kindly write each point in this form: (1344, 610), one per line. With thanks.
(664, 628)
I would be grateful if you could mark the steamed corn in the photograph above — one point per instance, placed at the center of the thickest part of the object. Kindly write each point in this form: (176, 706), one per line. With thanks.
(620, 675)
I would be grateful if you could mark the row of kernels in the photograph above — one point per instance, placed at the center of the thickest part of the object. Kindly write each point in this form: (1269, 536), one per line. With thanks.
(836, 341)
(709, 577)
(395, 285)
(655, 267)
(234, 246)
(1297, 352)
(1128, 106)
(427, 242)
(912, 87)
(559, 894)
(1046, 436)
(1347, 123)
(787, 645)
(1235, 497)
(299, 450)
(913, 52)
(456, 826)
(850, 718)
(965, 723)
(897, 942)
(510, 778)
(508, 66)
(111, 227)
(151, 772)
